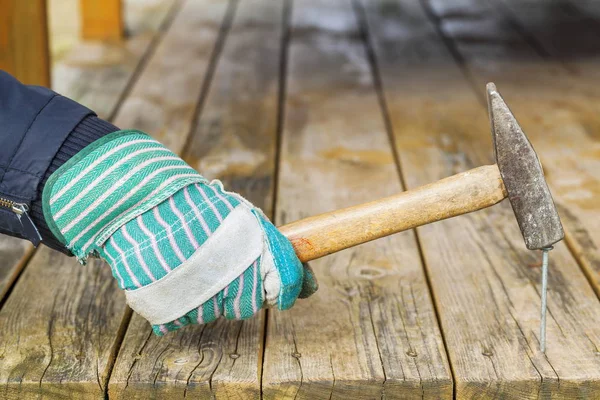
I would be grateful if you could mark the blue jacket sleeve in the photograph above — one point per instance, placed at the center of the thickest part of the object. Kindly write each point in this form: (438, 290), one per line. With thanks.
(39, 130)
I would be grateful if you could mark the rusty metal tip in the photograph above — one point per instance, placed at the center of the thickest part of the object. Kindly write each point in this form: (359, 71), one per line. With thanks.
(523, 176)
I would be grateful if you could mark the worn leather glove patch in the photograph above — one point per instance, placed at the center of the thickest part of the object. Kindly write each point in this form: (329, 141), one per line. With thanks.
(201, 254)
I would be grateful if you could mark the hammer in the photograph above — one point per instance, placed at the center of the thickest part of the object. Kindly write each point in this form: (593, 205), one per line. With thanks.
(517, 175)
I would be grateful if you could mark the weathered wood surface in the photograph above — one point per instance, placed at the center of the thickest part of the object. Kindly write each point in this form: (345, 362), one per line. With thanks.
(24, 50)
(164, 97)
(62, 324)
(371, 329)
(558, 107)
(58, 329)
(234, 140)
(559, 111)
(96, 73)
(485, 283)
(571, 151)
(14, 254)
(102, 20)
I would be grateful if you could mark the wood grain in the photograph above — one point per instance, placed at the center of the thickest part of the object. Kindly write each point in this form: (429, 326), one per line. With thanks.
(233, 140)
(165, 96)
(485, 283)
(24, 50)
(58, 329)
(559, 110)
(14, 254)
(102, 20)
(61, 325)
(96, 73)
(371, 328)
(572, 151)
(465, 192)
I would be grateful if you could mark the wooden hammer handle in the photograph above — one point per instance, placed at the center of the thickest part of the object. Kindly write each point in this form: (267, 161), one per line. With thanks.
(323, 234)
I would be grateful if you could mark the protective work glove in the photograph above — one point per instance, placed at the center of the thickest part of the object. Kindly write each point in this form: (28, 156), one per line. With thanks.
(184, 250)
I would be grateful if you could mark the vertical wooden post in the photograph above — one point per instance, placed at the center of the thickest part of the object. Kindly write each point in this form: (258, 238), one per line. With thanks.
(102, 19)
(24, 50)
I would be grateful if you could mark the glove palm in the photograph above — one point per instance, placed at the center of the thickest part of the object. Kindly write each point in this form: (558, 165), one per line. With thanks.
(155, 243)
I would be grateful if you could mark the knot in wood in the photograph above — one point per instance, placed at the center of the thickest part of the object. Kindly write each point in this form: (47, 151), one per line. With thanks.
(411, 353)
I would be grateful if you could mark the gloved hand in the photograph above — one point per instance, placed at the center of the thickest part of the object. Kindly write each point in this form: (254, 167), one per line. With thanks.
(184, 250)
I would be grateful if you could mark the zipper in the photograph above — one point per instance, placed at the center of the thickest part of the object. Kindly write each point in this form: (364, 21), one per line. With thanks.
(17, 208)
(21, 210)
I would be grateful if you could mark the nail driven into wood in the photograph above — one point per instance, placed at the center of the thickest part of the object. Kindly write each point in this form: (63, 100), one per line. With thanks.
(544, 305)
(517, 175)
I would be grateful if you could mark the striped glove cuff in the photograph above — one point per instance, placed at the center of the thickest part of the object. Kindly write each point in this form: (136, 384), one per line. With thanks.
(108, 183)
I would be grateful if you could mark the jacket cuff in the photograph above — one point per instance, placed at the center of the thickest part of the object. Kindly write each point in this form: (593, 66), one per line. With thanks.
(86, 132)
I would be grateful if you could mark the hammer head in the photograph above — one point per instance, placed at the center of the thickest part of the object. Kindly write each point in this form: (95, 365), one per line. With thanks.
(523, 177)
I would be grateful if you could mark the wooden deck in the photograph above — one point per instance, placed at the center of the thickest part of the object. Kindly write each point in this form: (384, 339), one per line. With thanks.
(304, 106)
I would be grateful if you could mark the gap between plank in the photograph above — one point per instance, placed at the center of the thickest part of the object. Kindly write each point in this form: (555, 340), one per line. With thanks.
(462, 65)
(361, 21)
(164, 27)
(12, 283)
(569, 238)
(461, 62)
(378, 83)
(538, 47)
(214, 57)
(281, 96)
(210, 71)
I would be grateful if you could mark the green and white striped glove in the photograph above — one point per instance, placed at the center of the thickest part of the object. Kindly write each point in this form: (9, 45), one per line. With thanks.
(184, 250)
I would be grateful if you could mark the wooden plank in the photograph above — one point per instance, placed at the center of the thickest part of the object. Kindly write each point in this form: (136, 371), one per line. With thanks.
(58, 329)
(573, 152)
(164, 98)
(560, 113)
(61, 325)
(102, 20)
(24, 50)
(371, 329)
(559, 31)
(14, 254)
(96, 74)
(234, 140)
(485, 283)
